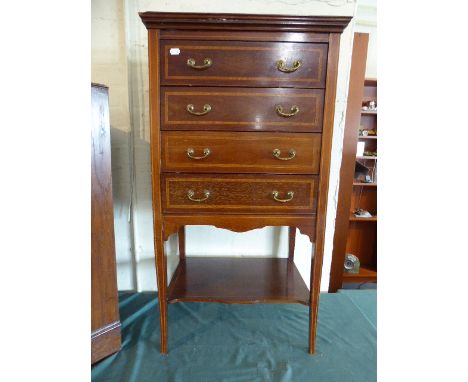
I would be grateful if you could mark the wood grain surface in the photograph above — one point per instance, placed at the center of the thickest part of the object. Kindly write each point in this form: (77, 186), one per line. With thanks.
(238, 280)
(239, 193)
(236, 63)
(240, 152)
(241, 109)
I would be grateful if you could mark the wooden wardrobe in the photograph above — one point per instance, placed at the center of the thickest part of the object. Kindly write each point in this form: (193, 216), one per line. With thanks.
(105, 324)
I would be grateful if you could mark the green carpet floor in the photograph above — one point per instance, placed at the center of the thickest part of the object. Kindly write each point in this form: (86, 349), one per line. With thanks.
(263, 342)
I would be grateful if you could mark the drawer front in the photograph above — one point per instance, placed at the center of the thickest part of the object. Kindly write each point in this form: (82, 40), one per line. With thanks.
(236, 63)
(241, 109)
(239, 193)
(241, 152)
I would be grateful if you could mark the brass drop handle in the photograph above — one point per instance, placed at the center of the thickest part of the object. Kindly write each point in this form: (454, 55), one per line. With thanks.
(277, 154)
(294, 111)
(276, 194)
(191, 194)
(281, 66)
(191, 109)
(207, 62)
(191, 151)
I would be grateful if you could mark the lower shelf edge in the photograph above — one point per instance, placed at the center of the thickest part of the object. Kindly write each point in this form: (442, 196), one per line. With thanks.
(237, 281)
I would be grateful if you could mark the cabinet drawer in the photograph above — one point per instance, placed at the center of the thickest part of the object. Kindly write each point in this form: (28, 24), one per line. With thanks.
(239, 193)
(241, 152)
(236, 63)
(241, 109)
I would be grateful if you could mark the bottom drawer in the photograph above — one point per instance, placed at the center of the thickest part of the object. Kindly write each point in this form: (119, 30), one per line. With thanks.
(239, 193)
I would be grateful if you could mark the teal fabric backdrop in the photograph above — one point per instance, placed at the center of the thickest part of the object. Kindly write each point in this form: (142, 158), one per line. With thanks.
(218, 342)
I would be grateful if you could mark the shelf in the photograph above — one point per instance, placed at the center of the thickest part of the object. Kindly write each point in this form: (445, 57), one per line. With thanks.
(237, 280)
(365, 274)
(368, 112)
(367, 137)
(370, 158)
(365, 184)
(353, 218)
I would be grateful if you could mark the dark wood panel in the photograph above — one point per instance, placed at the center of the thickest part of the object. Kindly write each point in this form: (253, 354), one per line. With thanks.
(362, 242)
(239, 193)
(241, 109)
(235, 280)
(243, 36)
(105, 341)
(240, 152)
(348, 158)
(365, 198)
(237, 63)
(104, 299)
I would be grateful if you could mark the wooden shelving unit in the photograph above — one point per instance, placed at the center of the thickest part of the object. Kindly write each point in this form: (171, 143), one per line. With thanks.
(357, 235)
(362, 232)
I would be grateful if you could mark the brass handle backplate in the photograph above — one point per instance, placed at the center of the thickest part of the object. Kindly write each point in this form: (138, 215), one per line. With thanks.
(207, 62)
(294, 111)
(191, 194)
(191, 151)
(281, 66)
(277, 154)
(191, 109)
(276, 194)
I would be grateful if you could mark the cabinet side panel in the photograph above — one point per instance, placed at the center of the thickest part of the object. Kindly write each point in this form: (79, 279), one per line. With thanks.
(328, 120)
(353, 115)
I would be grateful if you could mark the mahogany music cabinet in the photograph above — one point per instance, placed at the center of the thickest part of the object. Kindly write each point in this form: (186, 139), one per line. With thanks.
(241, 111)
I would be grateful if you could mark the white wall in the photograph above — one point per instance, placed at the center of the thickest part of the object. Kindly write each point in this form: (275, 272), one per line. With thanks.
(366, 22)
(109, 67)
(132, 183)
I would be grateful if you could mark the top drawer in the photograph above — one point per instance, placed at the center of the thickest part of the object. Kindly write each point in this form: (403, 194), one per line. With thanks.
(235, 63)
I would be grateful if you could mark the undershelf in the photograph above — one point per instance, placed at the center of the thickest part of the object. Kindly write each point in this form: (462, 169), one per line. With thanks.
(237, 280)
(367, 137)
(364, 275)
(354, 218)
(365, 184)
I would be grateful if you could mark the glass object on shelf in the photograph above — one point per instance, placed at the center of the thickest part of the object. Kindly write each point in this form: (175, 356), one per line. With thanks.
(351, 263)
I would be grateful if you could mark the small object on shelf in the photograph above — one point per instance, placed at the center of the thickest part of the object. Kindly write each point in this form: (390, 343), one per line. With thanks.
(370, 153)
(367, 132)
(367, 179)
(360, 213)
(370, 106)
(351, 263)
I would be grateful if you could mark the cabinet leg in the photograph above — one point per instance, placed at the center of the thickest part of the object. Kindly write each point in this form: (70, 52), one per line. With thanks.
(314, 301)
(182, 243)
(292, 242)
(161, 271)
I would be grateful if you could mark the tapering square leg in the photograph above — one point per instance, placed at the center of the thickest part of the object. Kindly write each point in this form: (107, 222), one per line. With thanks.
(314, 301)
(161, 270)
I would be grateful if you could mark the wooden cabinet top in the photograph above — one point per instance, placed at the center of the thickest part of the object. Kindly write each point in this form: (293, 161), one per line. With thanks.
(244, 22)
